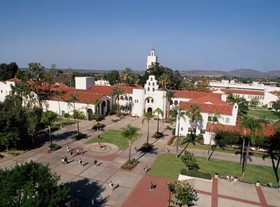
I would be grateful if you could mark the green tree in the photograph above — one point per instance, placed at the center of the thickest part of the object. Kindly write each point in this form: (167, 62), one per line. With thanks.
(169, 95)
(147, 117)
(31, 184)
(164, 80)
(190, 162)
(276, 106)
(117, 92)
(73, 99)
(252, 126)
(113, 77)
(33, 120)
(8, 71)
(78, 115)
(182, 194)
(202, 85)
(195, 116)
(129, 132)
(9, 138)
(159, 113)
(128, 77)
(48, 118)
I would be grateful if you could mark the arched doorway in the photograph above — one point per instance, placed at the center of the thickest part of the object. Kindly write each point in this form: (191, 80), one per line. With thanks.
(89, 114)
(103, 105)
(150, 110)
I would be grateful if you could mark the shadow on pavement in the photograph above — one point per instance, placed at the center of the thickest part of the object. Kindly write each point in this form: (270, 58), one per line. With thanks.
(85, 192)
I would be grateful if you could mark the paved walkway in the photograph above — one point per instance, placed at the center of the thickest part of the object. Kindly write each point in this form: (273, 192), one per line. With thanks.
(131, 188)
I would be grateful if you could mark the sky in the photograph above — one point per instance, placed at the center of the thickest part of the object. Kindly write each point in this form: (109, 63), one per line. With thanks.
(116, 34)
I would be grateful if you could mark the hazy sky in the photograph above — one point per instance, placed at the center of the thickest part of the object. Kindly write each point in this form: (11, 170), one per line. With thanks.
(114, 34)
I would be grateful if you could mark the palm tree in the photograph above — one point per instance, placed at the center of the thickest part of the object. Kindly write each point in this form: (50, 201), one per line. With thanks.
(180, 114)
(77, 115)
(49, 118)
(116, 93)
(164, 80)
(194, 114)
(74, 99)
(129, 132)
(254, 127)
(169, 95)
(97, 103)
(214, 119)
(58, 95)
(159, 112)
(147, 117)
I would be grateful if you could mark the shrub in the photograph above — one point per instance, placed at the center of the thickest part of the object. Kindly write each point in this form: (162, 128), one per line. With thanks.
(130, 165)
(79, 136)
(146, 147)
(98, 117)
(54, 147)
(173, 131)
(55, 127)
(157, 135)
(190, 161)
(98, 126)
(197, 174)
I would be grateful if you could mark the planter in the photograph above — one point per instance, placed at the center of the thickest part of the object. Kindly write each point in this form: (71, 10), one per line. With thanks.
(216, 175)
(235, 179)
(258, 183)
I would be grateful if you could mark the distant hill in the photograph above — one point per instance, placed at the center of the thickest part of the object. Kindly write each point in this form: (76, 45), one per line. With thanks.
(245, 73)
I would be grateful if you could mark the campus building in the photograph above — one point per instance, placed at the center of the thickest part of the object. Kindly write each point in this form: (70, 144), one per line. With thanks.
(89, 98)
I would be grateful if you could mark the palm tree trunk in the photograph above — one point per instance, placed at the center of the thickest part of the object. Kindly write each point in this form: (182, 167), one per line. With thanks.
(148, 132)
(50, 134)
(242, 152)
(245, 160)
(177, 140)
(157, 124)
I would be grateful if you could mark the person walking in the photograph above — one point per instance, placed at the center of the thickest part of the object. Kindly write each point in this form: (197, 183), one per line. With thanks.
(95, 163)
(80, 162)
(68, 148)
(111, 185)
(151, 186)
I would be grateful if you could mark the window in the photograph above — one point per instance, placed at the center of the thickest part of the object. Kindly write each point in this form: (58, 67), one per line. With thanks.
(182, 128)
(152, 101)
(153, 89)
(148, 88)
(148, 100)
(227, 120)
(202, 131)
(153, 84)
(149, 84)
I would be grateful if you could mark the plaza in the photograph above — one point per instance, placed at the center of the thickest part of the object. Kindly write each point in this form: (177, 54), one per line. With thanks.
(89, 184)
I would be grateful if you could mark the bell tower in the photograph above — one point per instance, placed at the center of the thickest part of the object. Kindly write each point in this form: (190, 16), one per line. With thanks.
(152, 58)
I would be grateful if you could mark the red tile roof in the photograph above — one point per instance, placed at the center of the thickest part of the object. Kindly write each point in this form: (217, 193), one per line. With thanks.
(193, 94)
(245, 92)
(82, 96)
(209, 99)
(268, 129)
(107, 90)
(209, 108)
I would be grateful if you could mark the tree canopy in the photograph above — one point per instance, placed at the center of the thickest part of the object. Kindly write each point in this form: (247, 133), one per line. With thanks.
(31, 184)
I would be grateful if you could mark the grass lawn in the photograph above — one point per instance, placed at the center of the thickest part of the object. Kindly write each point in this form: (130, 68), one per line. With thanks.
(218, 149)
(113, 137)
(263, 114)
(168, 166)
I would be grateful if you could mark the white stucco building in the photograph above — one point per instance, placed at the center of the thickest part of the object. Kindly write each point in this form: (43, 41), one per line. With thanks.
(152, 58)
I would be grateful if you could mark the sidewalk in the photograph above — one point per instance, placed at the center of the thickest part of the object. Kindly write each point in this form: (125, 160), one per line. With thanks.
(89, 181)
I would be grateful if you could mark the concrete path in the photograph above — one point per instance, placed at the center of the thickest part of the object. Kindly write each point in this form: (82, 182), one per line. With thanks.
(90, 183)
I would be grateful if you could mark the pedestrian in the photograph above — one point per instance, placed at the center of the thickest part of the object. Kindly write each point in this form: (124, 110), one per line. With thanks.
(136, 150)
(146, 169)
(62, 160)
(111, 185)
(167, 150)
(78, 151)
(151, 186)
(95, 163)
(80, 162)
(65, 160)
(68, 148)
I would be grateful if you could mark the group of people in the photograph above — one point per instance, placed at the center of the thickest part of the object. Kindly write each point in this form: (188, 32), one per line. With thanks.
(78, 150)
